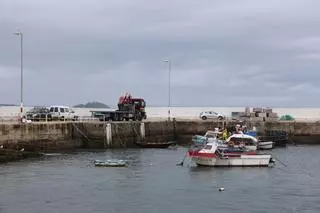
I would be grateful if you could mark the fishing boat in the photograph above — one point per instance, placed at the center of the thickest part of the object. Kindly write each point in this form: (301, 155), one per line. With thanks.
(203, 139)
(110, 163)
(249, 140)
(262, 144)
(235, 140)
(213, 155)
(242, 140)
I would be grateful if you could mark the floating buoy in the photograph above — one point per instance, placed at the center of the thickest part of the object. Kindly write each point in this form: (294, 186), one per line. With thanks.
(221, 189)
(272, 160)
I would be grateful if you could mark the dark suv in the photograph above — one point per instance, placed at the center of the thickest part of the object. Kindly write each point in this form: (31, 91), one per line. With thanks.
(39, 114)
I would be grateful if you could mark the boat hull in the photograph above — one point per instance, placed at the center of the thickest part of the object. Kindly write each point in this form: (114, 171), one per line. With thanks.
(241, 161)
(265, 145)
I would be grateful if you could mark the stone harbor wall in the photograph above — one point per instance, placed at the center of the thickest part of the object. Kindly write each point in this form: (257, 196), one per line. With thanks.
(70, 135)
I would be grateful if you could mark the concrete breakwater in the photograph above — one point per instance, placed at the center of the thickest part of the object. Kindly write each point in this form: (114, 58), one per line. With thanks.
(70, 135)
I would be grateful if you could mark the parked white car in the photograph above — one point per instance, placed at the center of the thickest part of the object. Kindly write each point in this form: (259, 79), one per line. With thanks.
(211, 115)
(62, 113)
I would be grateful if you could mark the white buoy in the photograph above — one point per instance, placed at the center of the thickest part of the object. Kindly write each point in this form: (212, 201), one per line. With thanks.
(221, 189)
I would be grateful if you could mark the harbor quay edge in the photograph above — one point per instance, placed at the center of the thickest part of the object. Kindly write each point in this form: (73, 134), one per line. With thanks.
(47, 136)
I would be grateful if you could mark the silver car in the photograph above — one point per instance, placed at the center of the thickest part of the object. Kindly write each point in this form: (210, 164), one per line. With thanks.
(211, 115)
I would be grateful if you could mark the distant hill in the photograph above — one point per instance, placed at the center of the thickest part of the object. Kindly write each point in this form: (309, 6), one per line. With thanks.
(93, 104)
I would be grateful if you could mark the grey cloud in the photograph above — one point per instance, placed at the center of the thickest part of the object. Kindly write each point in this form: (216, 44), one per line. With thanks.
(223, 52)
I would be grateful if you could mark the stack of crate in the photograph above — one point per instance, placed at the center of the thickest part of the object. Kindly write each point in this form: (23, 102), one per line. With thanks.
(263, 112)
(258, 113)
(270, 114)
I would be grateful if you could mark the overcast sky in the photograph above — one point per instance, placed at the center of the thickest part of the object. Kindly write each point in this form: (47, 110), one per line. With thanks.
(223, 53)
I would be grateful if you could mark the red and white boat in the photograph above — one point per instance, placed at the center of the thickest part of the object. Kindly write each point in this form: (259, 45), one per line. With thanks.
(212, 155)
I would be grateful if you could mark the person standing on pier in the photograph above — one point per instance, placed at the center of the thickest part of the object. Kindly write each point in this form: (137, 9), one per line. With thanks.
(225, 134)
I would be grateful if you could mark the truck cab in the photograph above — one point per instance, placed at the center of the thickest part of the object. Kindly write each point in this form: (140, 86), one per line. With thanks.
(140, 105)
(128, 109)
(132, 108)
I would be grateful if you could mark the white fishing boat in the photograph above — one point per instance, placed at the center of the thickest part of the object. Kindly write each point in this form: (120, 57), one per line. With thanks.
(248, 140)
(262, 145)
(209, 135)
(242, 140)
(212, 155)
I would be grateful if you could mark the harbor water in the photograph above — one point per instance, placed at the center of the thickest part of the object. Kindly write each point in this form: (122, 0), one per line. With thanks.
(153, 183)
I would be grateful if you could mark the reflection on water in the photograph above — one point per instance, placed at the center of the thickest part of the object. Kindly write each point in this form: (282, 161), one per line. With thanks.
(68, 182)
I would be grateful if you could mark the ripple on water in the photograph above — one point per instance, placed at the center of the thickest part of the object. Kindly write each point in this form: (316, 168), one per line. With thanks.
(153, 183)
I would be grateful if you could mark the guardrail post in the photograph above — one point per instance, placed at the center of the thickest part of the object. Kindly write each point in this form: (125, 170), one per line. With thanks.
(142, 131)
(109, 134)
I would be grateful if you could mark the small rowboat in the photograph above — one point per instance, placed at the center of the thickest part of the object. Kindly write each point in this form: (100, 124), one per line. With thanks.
(110, 163)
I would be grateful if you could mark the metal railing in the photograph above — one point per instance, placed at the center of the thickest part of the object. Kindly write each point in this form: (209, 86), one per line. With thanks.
(17, 119)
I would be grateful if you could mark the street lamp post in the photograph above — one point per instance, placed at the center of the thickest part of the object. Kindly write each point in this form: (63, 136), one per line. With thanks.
(18, 33)
(169, 88)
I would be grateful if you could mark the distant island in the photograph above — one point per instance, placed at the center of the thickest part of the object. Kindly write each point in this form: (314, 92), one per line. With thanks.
(93, 104)
(8, 105)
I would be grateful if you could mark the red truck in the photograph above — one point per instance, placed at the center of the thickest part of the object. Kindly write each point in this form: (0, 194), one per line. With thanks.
(128, 109)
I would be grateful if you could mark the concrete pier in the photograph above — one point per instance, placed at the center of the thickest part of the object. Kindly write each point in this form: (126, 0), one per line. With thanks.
(68, 135)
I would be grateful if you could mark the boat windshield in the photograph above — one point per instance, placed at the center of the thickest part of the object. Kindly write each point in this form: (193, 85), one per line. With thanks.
(211, 136)
(247, 141)
(208, 147)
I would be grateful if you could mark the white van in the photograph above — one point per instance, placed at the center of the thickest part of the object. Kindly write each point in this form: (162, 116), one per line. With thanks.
(62, 113)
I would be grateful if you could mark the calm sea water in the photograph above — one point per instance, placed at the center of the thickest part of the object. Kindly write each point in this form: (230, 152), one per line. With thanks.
(153, 183)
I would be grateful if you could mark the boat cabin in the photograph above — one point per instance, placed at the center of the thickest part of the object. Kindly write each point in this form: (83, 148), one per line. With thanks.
(237, 139)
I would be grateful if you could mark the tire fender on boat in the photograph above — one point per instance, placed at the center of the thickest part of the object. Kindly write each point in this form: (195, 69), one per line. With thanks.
(231, 143)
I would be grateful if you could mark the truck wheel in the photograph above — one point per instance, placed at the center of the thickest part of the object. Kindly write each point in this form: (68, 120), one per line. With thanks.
(220, 117)
(204, 117)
